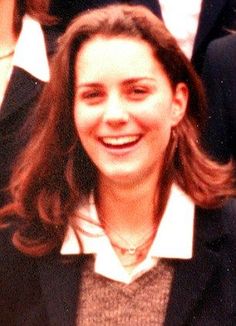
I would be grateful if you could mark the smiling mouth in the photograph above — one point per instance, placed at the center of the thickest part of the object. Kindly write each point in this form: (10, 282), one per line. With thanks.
(120, 142)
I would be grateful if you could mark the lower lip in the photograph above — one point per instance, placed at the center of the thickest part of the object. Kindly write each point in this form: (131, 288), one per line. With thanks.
(121, 149)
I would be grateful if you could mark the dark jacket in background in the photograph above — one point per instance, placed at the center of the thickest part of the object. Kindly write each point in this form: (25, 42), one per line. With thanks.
(216, 17)
(219, 76)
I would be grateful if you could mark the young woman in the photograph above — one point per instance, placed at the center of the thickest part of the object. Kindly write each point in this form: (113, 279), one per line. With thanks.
(119, 216)
(24, 50)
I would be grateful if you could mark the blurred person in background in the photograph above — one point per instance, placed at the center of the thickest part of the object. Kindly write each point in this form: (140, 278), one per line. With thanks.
(27, 40)
(219, 76)
(193, 23)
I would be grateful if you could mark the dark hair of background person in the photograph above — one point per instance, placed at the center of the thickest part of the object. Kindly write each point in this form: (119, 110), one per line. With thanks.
(38, 9)
(54, 172)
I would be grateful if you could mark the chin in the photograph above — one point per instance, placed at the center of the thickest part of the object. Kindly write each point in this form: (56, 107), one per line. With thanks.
(123, 176)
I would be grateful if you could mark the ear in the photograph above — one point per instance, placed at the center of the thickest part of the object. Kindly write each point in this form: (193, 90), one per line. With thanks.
(180, 102)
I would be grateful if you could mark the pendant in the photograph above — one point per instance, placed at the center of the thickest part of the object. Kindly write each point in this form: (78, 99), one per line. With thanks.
(132, 251)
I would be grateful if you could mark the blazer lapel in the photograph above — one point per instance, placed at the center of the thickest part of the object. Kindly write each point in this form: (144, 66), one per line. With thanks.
(209, 14)
(60, 280)
(21, 90)
(60, 288)
(59, 283)
(190, 280)
(192, 276)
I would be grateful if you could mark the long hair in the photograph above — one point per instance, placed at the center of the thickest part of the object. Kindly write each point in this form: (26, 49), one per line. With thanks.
(54, 173)
(38, 9)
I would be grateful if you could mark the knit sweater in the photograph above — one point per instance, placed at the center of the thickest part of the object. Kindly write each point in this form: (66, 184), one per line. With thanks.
(103, 301)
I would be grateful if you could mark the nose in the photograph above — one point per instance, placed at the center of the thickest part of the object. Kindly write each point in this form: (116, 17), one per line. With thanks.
(115, 111)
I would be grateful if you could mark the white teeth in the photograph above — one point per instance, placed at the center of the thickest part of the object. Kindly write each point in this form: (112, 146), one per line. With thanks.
(119, 140)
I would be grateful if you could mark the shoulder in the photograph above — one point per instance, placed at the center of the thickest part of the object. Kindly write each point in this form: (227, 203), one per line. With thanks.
(223, 46)
(229, 219)
(222, 217)
(220, 59)
(20, 296)
(218, 226)
(13, 264)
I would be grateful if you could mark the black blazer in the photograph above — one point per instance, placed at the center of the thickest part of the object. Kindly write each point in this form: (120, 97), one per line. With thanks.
(216, 16)
(44, 291)
(21, 95)
(219, 76)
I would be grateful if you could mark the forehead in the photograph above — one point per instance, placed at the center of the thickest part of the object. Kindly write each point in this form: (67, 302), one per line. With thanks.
(118, 55)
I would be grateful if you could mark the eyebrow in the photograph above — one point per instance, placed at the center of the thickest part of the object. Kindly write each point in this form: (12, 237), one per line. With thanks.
(88, 85)
(125, 82)
(137, 79)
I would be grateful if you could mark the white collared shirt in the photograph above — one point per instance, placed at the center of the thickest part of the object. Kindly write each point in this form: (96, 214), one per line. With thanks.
(30, 52)
(174, 238)
(181, 18)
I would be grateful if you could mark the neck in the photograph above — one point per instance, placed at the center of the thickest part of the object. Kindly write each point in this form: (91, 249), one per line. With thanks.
(128, 209)
(7, 35)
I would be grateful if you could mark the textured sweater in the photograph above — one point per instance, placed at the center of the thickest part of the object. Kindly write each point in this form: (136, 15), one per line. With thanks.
(103, 301)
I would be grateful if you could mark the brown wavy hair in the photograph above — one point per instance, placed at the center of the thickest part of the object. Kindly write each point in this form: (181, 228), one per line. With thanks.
(54, 173)
(38, 9)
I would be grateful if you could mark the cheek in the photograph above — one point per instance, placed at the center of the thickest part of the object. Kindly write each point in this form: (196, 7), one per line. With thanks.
(85, 120)
(156, 113)
(155, 121)
(158, 126)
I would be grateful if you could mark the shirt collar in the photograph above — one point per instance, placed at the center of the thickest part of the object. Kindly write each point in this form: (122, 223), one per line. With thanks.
(30, 53)
(174, 238)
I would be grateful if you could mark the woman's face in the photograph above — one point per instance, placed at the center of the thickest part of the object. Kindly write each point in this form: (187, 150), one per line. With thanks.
(124, 108)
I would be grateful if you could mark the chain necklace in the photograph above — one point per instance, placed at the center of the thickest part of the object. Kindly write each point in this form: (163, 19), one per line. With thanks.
(135, 253)
(134, 250)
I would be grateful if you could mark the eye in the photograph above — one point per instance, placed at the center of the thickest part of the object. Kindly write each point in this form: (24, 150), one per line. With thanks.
(137, 93)
(92, 96)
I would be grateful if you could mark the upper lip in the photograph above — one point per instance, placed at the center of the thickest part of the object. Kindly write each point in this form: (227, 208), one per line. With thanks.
(117, 139)
(119, 136)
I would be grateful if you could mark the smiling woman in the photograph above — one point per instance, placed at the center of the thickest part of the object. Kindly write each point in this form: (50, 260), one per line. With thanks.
(125, 109)
(114, 189)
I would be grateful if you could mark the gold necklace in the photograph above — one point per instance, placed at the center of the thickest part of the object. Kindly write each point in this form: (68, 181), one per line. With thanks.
(131, 249)
(132, 256)
(134, 250)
